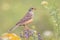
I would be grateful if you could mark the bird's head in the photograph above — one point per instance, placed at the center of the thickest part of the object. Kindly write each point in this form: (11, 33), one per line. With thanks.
(31, 9)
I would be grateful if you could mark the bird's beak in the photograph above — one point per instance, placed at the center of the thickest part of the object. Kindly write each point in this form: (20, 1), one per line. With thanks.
(34, 8)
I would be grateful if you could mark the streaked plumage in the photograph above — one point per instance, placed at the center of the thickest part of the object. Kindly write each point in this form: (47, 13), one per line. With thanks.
(25, 20)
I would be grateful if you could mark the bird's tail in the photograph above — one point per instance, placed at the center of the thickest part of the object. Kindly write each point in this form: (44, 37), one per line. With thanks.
(13, 28)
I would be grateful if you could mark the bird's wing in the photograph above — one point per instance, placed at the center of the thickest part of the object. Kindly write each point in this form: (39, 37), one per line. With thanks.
(27, 17)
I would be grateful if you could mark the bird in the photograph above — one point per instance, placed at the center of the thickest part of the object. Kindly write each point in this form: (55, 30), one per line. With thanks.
(28, 18)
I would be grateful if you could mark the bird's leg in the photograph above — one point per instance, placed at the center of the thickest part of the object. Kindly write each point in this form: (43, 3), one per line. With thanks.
(26, 27)
(26, 32)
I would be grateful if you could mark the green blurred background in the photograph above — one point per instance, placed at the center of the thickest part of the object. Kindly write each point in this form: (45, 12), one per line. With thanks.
(11, 11)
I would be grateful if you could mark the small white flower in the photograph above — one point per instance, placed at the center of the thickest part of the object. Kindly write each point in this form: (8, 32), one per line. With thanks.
(56, 24)
(35, 31)
(5, 38)
(47, 33)
(44, 3)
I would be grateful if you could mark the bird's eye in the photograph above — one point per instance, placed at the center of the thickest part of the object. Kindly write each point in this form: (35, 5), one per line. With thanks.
(31, 8)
